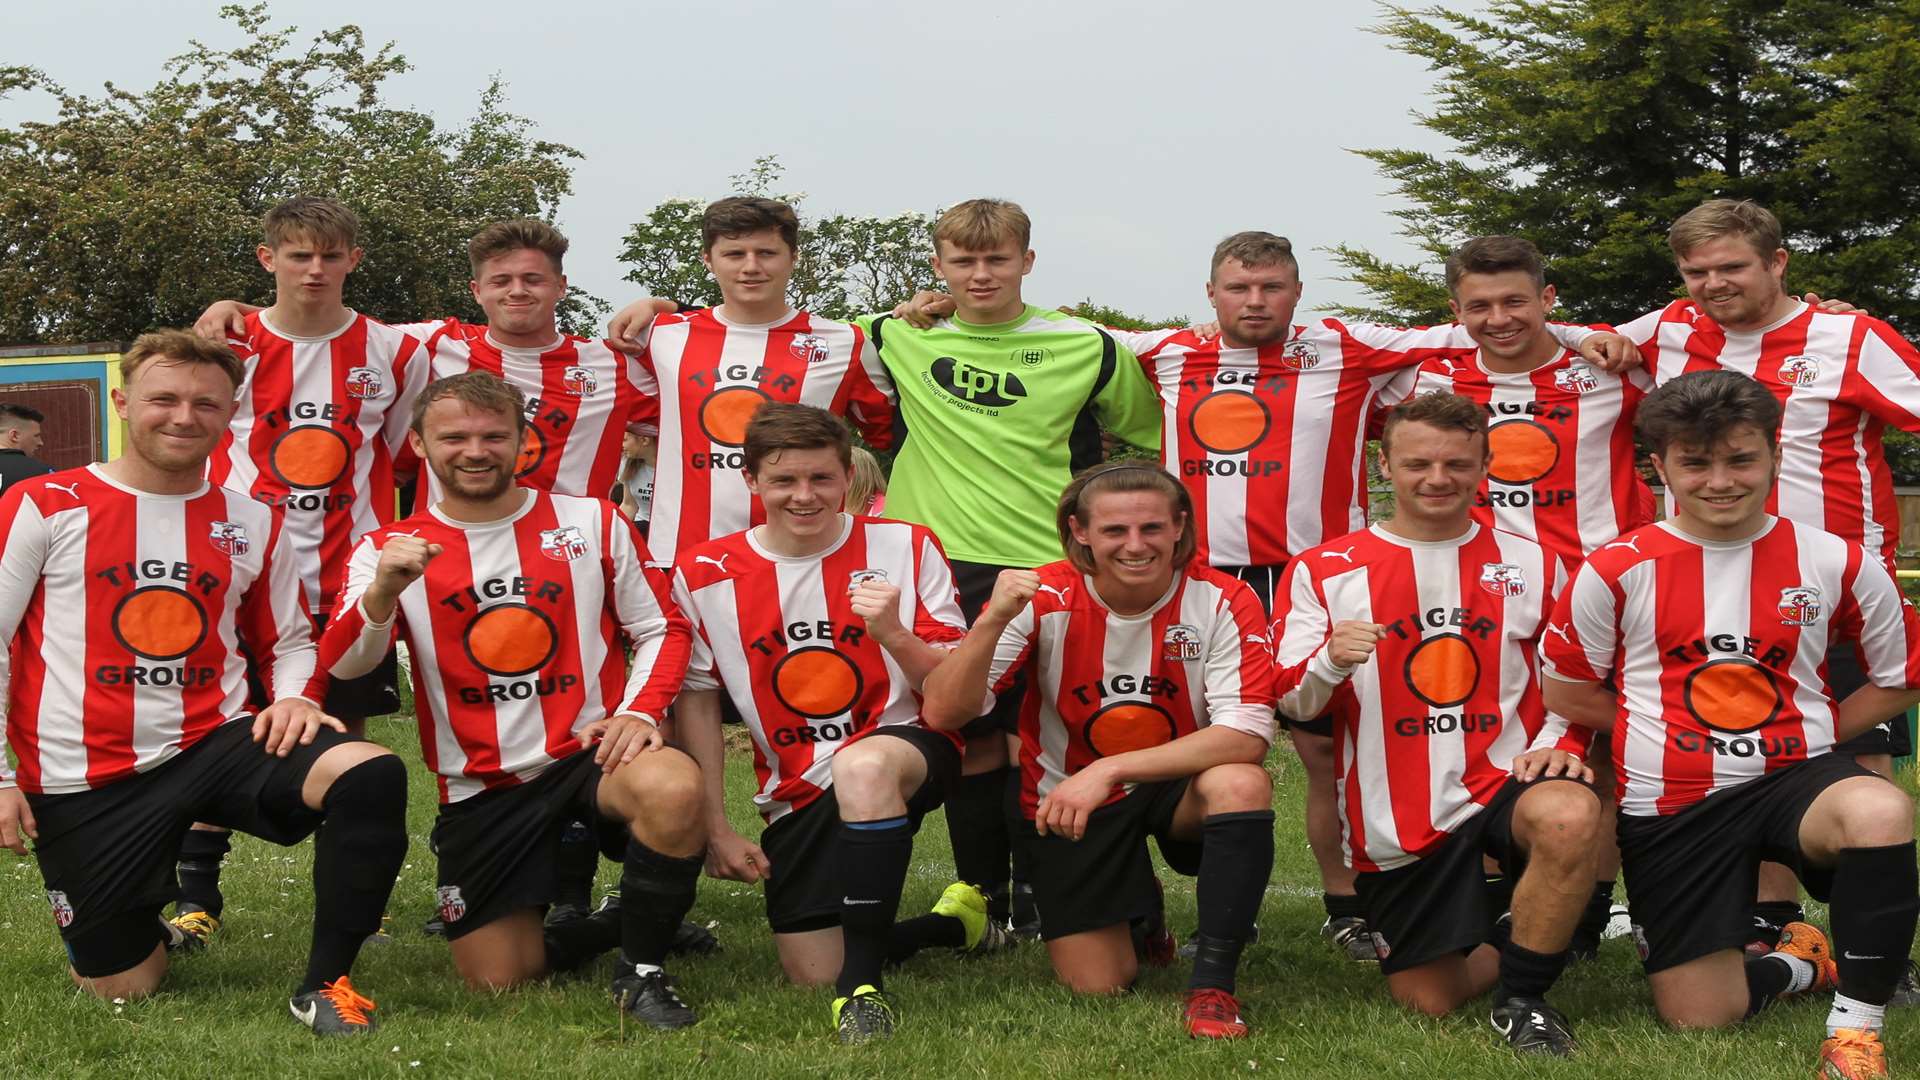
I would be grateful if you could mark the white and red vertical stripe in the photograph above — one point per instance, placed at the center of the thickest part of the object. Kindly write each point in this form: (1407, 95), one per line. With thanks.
(1100, 684)
(779, 635)
(1718, 650)
(317, 428)
(518, 632)
(1562, 437)
(127, 613)
(1841, 379)
(710, 376)
(1426, 730)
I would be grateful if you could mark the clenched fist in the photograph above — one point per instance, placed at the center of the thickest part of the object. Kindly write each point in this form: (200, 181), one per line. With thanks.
(1351, 643)
(402, 560)
(1012, 591)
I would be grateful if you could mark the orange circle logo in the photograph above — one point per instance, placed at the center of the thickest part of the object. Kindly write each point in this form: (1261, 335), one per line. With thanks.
(310, 457)
(1129, 725)
(160, 622)
(511, 640)
(1523, 451)
(1443, 671)
(1229, 421)
(816, 682)
(533, 450)
(724, 415)
(1733, 695)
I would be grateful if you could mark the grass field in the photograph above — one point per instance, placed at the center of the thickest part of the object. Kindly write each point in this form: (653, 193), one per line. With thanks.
(223, 1013)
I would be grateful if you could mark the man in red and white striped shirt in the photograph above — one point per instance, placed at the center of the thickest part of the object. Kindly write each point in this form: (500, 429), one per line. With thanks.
(1713, 628)
(1419, 635)
(1148, 708)
(517, 606)
(137, 596)
(820, 626)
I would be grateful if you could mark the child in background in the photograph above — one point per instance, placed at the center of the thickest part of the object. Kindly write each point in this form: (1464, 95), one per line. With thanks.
(868, 491)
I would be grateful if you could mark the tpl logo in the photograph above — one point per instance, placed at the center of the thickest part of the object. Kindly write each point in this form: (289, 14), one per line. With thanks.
(977, 385)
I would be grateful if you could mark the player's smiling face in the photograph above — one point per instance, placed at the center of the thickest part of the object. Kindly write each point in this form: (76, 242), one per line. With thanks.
(1506, 315)
(985, 283)
(309, 270)
(1435, 472)
(1131, 536)
(1720, 490)
(752, 269)
(175, 412)
(470, 450)
(519, 291)
(1737, 285)
(802, 491)
(1254, 303)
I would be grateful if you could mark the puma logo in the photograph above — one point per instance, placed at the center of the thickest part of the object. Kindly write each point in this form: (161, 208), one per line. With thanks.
(719, 564)
(1559, 633)
(1346, 555)
(72, 490)
(1631, 543)
(1060, 594)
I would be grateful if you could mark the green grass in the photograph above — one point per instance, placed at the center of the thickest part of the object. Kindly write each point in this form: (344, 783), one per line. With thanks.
(223, 1013)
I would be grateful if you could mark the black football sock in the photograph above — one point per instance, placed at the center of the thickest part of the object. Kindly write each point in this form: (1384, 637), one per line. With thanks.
(1343, 906)
(1236, 859)
(1772, 975)
(1593, 919)
(356, 856)
(1499, 889)
(656, 892)
(870, 860)
(1772, 916)
(1876, 895)
(1528, 974)
(201, 852)
(1020, 844)
(981, 846)
(577, 861)
(572, 942)
(924, 932)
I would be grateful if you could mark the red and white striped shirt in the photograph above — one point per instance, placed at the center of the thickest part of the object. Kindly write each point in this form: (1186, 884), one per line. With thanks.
(1719, 651)
(318, 425)
(1426, 730)
(1841, 379)
(1101, 684)
(779, 634)
(518, 632)
(1562, 439)
(581, 395)
(711, 375)
(127, 613)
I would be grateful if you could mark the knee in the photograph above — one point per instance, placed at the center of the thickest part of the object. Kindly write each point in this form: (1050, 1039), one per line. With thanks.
(1698, 1015)
(1230, 788)
(663, 781)
(375, 783)
(493, 974)
(862, 773)
(1559, 820)
(129, 985)
(1102, 983)
(1876, 816)
(1426, 1000)
(1316, 753)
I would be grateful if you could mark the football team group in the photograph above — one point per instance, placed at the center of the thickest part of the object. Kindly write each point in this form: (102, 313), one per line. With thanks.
(1513, 689)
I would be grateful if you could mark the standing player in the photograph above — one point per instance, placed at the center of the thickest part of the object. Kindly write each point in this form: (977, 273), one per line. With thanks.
(20, 439)
(1419, 635)
(322, 412)
(1714, 628)
(820, 626)
(517, 605)
(1148, 709)
(138, 596)
(1840, 378)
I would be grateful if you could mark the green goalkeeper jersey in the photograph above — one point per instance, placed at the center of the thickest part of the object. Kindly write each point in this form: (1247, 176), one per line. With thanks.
(997, 420)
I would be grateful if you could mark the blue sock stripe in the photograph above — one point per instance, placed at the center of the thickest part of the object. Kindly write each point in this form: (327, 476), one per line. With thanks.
(874, 826)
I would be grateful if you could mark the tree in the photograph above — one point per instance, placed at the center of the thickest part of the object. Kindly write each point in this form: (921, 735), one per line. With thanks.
(847, 264)
(135, 210)
(1587, 126)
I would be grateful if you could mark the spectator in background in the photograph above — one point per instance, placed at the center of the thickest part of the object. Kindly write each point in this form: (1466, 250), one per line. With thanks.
(633, 492)
(868, 491)
(20, 439)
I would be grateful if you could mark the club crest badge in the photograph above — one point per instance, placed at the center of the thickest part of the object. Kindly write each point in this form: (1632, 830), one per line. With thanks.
(62, 910)
(1502, 579)
(861, 577)
(1799, 605)
(563, 544)
(1799, 370)
(453, 906)
(808, 347)
(1300, 355)
(228, 538)
(580, 381)
(1576, 379)
(1181, 643)
(363, 383)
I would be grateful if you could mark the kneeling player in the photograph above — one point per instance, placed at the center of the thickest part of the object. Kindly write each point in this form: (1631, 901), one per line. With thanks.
(1713, 626)
(1148, 711)
(517, 606)
(1419, 634)
(821, 625)
(138, 592)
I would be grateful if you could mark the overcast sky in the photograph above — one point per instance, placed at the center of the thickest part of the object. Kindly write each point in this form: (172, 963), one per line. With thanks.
(1135, 134)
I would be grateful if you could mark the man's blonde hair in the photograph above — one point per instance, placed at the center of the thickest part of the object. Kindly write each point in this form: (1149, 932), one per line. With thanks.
(1716, 218)
(182, 347)
(982, 224)
(322, 221)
